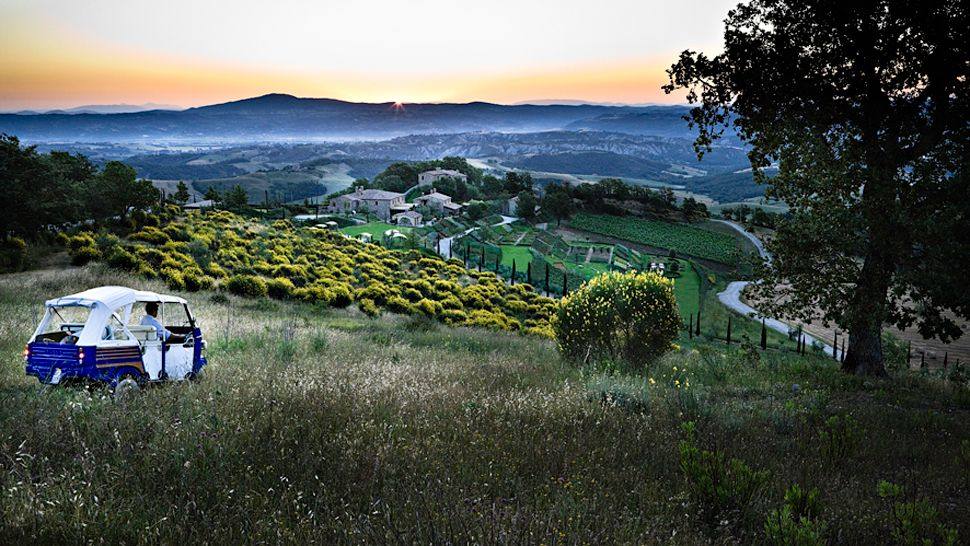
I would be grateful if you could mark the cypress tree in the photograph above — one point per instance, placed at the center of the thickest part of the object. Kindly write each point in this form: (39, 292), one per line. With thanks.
(565, 283)
(690, 327)
(729, 330)
(835, 346)
(946, 359)
(481, 260)
(697, 325)
(528, 273)
(764, 336)
(513, 272)
(922, 360)
(498, 260)
(547, 278)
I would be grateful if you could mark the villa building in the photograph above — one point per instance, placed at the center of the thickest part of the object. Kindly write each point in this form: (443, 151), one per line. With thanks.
(429, 177)
(383, 204)
(438, 202)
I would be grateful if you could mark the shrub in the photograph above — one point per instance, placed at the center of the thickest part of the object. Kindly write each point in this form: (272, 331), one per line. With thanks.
(913, 522)
(719, 486)
(84, 255)
(173, 278)
(629, 316)
(397, 304)
(839, 438)
(249, 286)
(797, 522)
(196, 280)
(429, 308)
(151, 234)
(80, 241)
(13, 254)
(280, 288)
(368, 307)
(120, 258)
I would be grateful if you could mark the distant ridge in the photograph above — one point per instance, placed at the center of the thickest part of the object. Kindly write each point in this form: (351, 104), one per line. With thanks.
(278, 116)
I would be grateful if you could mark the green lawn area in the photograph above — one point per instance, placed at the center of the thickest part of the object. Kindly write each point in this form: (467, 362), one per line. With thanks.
(687, 290)
(376, 229)
(520, 254)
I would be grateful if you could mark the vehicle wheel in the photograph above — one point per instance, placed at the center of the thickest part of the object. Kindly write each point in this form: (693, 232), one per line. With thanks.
(194, 376)
(126, 388)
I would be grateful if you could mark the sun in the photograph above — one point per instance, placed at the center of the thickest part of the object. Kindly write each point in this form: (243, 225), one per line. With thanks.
(398, 106)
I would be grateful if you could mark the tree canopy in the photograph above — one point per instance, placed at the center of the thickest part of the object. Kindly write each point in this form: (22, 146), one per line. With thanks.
(864, 107)
(39, 190)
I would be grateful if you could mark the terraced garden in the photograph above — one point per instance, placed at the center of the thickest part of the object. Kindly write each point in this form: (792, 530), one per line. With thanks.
(701, 243)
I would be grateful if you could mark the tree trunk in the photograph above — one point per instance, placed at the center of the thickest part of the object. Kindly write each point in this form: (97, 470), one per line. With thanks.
(867, 313)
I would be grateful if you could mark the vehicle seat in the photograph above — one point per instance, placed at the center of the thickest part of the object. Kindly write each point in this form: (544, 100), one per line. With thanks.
(144, 333)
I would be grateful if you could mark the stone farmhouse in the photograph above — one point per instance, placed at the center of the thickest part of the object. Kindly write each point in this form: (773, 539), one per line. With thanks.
(438, 202)
(429, 177)
(383, 204)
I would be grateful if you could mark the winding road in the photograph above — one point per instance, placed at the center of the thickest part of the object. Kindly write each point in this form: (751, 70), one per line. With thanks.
(731, 296)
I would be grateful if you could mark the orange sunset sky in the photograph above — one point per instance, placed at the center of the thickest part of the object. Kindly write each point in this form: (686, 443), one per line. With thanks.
(58, 54)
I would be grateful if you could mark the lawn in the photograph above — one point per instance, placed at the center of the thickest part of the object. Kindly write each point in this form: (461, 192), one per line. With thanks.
(687, 289)
(376, 229)
(701, 243)
(318, 425)
(519, 253)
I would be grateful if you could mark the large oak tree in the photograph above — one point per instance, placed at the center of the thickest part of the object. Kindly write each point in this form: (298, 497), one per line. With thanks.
(864, 108)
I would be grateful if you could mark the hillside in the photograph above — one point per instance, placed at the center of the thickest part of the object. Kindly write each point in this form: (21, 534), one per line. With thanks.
(322, 425)
(278, 116)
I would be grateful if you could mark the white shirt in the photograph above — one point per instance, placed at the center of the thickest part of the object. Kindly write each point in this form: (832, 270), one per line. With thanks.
(149, 320)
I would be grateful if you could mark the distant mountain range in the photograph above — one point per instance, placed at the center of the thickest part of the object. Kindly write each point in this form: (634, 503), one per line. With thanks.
(101, 109)
(279, 117)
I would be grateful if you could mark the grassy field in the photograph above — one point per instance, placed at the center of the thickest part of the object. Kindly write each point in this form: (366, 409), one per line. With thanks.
(687, 289)
(520, 254)
(702, 243)
(319, 425)
(376, 229)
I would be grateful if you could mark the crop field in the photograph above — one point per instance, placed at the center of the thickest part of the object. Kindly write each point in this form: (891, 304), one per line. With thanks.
(320, 425)
(719, 247)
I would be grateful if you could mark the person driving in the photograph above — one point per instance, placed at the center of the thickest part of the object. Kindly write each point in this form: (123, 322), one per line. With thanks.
(150, 319)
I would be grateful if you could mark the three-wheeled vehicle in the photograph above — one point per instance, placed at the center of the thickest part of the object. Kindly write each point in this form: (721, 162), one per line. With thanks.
(101, 335)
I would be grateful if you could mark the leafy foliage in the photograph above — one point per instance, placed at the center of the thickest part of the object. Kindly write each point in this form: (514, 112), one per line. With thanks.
(619, 316)
(863, 107)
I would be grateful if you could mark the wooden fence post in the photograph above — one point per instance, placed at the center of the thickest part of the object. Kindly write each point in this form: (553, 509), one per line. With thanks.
(729, 330)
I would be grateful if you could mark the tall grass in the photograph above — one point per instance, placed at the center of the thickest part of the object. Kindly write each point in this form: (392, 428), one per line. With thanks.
(320, 425)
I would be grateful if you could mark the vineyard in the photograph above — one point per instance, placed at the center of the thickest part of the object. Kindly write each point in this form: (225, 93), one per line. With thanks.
(719, 247)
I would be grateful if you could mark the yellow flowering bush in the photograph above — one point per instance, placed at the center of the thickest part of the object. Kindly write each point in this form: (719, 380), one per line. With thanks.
(629, 317)
(251, 258)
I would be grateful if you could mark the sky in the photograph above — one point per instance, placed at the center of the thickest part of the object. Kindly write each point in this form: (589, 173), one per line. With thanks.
(65, 53)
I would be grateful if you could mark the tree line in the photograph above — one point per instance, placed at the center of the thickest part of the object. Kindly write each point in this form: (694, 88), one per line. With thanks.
(39, 191)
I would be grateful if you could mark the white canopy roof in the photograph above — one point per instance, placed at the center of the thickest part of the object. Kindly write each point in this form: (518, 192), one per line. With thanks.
(112, 297)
